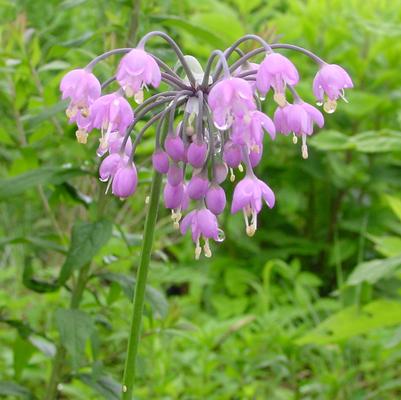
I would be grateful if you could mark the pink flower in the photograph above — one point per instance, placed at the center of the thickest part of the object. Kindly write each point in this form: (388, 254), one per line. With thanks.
(331, 80)
(136, 70)
(111, 142)
(276, 71)
(197, 153)
(125, 181)
(229, 98)
(197, 187)
(160, 161)
(203, 224)
(82, 88)
(248, 196)
(112, 113)
(249, 129)
(298, 118)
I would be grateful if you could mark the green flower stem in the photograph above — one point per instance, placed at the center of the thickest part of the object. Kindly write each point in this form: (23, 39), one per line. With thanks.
(59, 359)
(140, 286)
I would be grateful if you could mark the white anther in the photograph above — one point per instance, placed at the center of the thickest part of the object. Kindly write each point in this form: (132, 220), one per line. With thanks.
(279, 98)
(85, 112)
(71, 111)
(198, 250)
(206, 249)
(139, 97)
(304, 148)
(330, 106)
(128, 91)
(294, 138)
(82, 136)
(232, 175)
(147, 200)
(240, 168)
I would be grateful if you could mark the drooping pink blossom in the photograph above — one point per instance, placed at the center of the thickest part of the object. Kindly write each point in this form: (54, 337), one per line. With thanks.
(136, 70)
(230, 98)
(276, 71)
(248, 196)
(82, 88)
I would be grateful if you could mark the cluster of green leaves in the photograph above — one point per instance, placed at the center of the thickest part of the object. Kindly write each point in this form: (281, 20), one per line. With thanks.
(308, 308)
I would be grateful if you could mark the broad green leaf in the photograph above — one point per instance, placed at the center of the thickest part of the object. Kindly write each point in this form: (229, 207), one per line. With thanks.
(382, 141)
(13, 389)
(350, 322)
(374, 270)
(35, 284)
(75, 328)
(395, 204)
(330, 141)
(87, 239)
(17, 185)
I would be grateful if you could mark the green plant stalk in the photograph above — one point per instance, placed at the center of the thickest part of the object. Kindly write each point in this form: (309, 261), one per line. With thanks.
(59, 359)
(140, 287)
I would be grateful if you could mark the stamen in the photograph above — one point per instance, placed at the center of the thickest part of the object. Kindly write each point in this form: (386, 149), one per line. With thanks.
(240, 168)
(147, 199)
(85, 112)
(128, 91)
(279, 98)
(304, 147)
(198, 250)
(206, 249)
(138, 97)
(71, 111)
(294, 138)
(330, 106)
(232, 175)
(342, 95)
(108, 185)
(82, 136)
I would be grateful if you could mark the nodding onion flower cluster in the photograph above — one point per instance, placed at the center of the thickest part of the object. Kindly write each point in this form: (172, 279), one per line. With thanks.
(221, 129)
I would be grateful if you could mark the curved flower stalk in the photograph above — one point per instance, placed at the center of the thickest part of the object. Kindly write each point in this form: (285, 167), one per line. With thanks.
(207, 127)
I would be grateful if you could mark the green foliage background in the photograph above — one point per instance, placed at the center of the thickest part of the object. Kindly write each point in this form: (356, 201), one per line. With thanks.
(307, 309)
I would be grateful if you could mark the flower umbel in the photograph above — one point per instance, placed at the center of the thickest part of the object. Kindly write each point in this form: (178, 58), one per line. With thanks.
(208, 124)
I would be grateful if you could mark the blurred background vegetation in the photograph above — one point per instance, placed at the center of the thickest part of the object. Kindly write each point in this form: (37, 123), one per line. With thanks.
(309, 308)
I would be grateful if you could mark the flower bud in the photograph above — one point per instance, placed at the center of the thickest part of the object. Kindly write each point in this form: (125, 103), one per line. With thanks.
(197, 187)
(197, 154)
(175, 147)
(216, 199)
(173, 195)
(232, 154)
(175, 175)
(125, 181)
(160, 161)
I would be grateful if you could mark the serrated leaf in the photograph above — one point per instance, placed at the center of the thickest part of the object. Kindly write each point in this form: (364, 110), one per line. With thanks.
(75, 328)
(352, 321)
(87, 239)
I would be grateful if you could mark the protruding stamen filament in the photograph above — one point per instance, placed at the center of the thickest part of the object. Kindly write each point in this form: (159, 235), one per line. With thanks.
(250, 226)
(279, 98)
(240, 168)
(304, 147)
(232, 175)
(206, 249)
(71, 111)
(294, 138)
(138, 97)
(198, 250)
